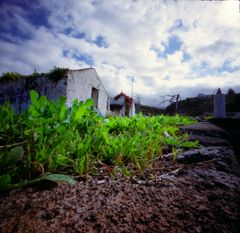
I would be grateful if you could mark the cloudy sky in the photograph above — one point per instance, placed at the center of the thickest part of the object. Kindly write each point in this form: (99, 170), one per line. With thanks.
(169, 47)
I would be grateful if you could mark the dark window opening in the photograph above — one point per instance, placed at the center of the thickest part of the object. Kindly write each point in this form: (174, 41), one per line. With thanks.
(94, 96)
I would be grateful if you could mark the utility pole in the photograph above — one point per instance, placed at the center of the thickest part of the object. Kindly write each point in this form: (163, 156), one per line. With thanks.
(132, 112)
(132, 87)
(177, 100)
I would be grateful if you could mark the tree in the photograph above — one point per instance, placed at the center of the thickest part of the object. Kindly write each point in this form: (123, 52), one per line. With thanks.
(230, 92)
(171, 99)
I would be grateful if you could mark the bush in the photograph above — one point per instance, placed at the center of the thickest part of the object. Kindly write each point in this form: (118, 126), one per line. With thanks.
(57, 73)
(10, 76)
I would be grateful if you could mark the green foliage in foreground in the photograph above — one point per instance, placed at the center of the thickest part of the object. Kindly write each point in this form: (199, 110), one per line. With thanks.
(49, 137)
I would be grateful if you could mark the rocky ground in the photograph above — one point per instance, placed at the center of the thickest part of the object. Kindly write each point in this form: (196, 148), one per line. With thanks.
(199, 192)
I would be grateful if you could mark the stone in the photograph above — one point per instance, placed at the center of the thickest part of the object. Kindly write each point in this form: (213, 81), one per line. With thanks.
(236, 115)
(223, 158)
(204, 129)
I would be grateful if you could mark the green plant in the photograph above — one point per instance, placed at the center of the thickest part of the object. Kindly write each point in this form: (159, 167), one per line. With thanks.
(49, 137)
(10, 76)
(57, 73)
(5, 181)
(9, 171)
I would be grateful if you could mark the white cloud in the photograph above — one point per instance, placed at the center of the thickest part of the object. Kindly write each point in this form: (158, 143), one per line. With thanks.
(209, 33)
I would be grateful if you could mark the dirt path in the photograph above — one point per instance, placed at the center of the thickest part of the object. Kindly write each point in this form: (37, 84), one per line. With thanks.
(200, 192)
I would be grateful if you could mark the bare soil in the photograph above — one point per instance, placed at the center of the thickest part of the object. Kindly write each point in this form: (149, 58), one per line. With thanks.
(199, 192)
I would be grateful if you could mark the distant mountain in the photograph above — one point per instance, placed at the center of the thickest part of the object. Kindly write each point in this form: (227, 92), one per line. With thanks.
(148, 110)
(204, 105)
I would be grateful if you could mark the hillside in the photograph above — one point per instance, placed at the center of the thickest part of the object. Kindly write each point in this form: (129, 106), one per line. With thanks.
(148, 110)
(204, 105)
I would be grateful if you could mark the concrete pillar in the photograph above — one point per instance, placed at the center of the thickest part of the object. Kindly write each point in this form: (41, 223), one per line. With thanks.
(219, 105)
(132, 110)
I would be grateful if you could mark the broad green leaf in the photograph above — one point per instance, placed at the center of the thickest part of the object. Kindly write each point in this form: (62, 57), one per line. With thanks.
(79, 113)
(75, 102)
(34, 96)
(33, 112)
(59, 178)
(61, 129)
(9, 159)
(43, 100)
(89, 103)
(5, 181)
(61, 101)
(62, 113)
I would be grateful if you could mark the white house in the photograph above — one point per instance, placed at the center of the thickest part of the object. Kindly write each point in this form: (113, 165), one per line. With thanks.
(122, 105)
(81, 84)
(85, 83)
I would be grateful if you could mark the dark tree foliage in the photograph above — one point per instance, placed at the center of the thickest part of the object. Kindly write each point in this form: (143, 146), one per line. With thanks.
(57, 73)
(230, 92)
(10, 76)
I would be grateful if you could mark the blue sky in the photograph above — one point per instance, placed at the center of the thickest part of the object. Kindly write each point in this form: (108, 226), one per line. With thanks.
(169, 47)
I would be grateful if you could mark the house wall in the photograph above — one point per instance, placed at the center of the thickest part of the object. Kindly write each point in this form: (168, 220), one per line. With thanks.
(79, 85)
(76, 84)
(17, 92)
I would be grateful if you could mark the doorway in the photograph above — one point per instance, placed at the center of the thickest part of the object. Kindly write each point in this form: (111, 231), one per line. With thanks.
(94, 96)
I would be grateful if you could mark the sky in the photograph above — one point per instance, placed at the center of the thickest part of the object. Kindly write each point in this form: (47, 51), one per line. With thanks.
(185, 47)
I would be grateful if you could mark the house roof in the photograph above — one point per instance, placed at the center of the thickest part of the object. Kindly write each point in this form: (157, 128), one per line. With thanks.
(83, 69)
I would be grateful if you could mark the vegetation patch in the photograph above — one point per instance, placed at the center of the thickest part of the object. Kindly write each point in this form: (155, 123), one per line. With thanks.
(10, 76)
(51, 138)
(55, 75)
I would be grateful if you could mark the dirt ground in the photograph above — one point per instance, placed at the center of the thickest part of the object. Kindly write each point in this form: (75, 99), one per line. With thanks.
(199, 192)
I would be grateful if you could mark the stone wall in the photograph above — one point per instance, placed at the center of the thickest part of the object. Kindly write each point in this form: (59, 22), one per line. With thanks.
(17, 92)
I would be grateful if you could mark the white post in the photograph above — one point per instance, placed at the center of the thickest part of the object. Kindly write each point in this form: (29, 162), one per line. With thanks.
(132, 109)
(219, 105)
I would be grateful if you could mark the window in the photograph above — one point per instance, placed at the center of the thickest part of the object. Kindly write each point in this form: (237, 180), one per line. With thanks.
(94, 96)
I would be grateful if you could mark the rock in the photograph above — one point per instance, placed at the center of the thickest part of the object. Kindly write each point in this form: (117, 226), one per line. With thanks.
(204, 129)
(101, 181)
(198, 155)
(209, 141)
(197, 193)
(224, 158)
(237, 116)
(166, 176)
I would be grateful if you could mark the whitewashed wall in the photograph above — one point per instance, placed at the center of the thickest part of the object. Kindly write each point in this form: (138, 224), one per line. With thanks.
(79, 85)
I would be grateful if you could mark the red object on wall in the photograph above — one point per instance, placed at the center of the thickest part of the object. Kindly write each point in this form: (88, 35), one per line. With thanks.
(128, 99)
